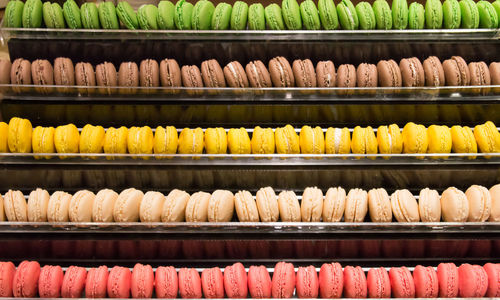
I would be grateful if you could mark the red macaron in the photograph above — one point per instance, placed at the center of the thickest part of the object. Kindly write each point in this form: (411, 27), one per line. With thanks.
(493, 272)
(166, 282)
(426, 282)
(50, 282)
(25, 282)
(212, 283)
(73, 282)
(259, 282)
(331, 280)
(235, 281)
(119, 282)
(447, 274)
(7, 273)
(379, 284)
(472, 281)
(97, 281)
(142, 281)
(283, 282)
(189, 283)
(354, 282)
(402, 284)
(307, 282)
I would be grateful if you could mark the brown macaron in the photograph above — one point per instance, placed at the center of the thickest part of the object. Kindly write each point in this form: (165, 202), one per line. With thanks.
(191, 78)
(412, 72)
(20, 72)
(456, 71)
(84, 76)
(389, 74)
(128, 76)
(281, 72)
(258, 75)
(434, 73)
(367, 75)
(479, 73)
(235, 75)
(325, 74)
(212, 74)
(170, 73)
(42, 73)
(304, 73)
(105, 74)
(64, 73)
(5, 67)
(346, 76)
(149, 72)
(495, 73)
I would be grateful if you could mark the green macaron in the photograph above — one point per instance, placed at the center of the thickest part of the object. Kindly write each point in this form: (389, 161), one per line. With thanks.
(183, 14)
(400, 14)
(274, 19)
(165, 17)
(53, 15)
(256, 18)
(71, 13)
(488, 17)
(433, 14)
(32, 14)
(127, 15)
(202, 15)
(147, 16)
(496, 6)
(366, 16)
(221, 16)
(469, 14)
(14, 14)
(383, 14)
(291, 14)
(239, 16)
(416, 16)
(451, 14)
(347, 15)
(90, 15)
(328, 14)
(310, 15)
(107, 15)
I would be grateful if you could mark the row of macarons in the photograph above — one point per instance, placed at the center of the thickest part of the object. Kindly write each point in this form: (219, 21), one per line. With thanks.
(332, 281)
(410, 72)
(204, 15)
(477, 204)
(19, 137)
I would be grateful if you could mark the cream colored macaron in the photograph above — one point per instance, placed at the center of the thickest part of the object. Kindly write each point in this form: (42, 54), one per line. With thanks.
(197, 207)
(404, 206)
(334, 205)
(267, 204)
(104, 204)
(38, 201)
(15, 206)
(495, 203)
(312, 205)
(127, 206)
(289, 207)
(151, 207)
(174, 207)
(454, 205)
(58, 208)
(379, 205)
(479, 203)
(246, 208)
(221, 206)
(429, 205)
(80, 207)
(356, 205)
(2, 212)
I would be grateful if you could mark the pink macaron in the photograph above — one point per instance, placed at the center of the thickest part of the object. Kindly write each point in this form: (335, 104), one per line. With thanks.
(189, 283)
(166, 282)
(426, 282)
(7, 273)
(283, 282)
(212, 283)
(354, 282)
(119, 282)
(379, 284)
(307, 282)
(493, 272)
(447, 274)
(50, 282)
(25, 282)
(235, 281)
(142, 281)
(402, 284)
(73, 282)
(97, 280)
(259, 282)
(472, 281)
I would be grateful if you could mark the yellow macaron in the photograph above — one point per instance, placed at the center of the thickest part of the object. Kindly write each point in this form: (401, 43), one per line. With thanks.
(92, 139)
(43, 141)
(19, 135)
(263, 141)
(238, 141)
(67, 139)
(216, 140)
(338, 141)
(287, 140)
(4, 133)
(439, 139)
(390, 139)
(166, 140)
(140, 140)
(487, 137)
(364, 141)
(463, 140)
(312, 140)
(191, 141)
(115, 140)
(415, 139)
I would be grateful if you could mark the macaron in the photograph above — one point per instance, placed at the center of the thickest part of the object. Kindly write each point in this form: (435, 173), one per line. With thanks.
(415, 138)
(389, 74)
(356, 205)
(334, 204)
(366, 74)
(202, 15)
(365, 15)
(463, 140)
(166, 140)
(274, 18)
(127, 205)
(412, 72)
(80, 206)
(142, 281)
(433, 14)
(147, 16)
(310, 15)
(493, 272)
(364, 141)
(346, 77)
(256, 17)
(487, 137)
(96, 282)
(165, 19)
(119, 282)
(64, 72)
(20, 73)
(429, 205)
(287, 140)
(151, 207)
(212, 74)
(402, 283)
(426, 282)
(307, 282)
(170, 73)
(291, 14)
(246, 207)
(91, 139)
(447, 274)
(331, 280)
(259, 282)
(451, 14)
(7, 273)
(239, 15)
(379, 205)
(38, 202)
(267, 204)
(140, 140)
(222, 16)
(183, 14)
(71, 13)
(479, 73)
(90, 16)
(212, 283)
(166, 282)
(128, 76)
(488, 17)
(25, 281)
(347, 15)
(235, 75)
(107, 15)
(439, 139)
(283, 282)
(58, 207)
(281, 72)
(149, 73)
(472, 281)
(191, 140)
(400, 14)
(235, 281)
(325, 74)
(390, 139)
(19, 136)
(115, 140)
(383, 14)
(495, 203)
(32, 14)
(189, 283)
(355, 285)
(127, 15)
(469, 14)
(42, 73)
(454, 205)
(221, 206)
(191, 77)
(106, 76)
(238, 141)
(433, 71)
(73, 283)
(479, 203)
(456, 71)
(312, 205)
(312, 140)
(289, 207)
(404, 206)
(328, 14)
(174, 207)
(263, 141)
(53, 15)
(495, 72)
(13, 17)
(15, 207)
(416, 16)
(378, 283)
(197, 207)
(258, 75)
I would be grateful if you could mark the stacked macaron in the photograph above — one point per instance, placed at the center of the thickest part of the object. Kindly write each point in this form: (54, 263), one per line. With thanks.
(19, 137)
(204, 15)
(477, 204)
(410, 72)
(31, 280)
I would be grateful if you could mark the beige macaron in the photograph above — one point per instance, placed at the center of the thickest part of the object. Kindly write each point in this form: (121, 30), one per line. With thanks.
(197, 207)
(80, 207)
(104, 204)
(2, 213)
(289, 207)
(311, 207)
(246, 208)
(404, 206)
(356, 205)
(379, 205)
(127, 206)
(221, 206)
(495, 203)
(58, 208)
(174, 207)
(151, 207)
(267, 204)
(15, 206)
(334, 205)
(454, 205)
(429, 205)
(479, 203)
(38, 201)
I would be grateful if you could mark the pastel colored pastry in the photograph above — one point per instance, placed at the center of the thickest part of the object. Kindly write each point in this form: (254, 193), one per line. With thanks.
(4, 137)
(493, 272)
(366, 16)
(25, 281)
(346, 77)
(331, 280)
(20, 72)
(364, 141)
(440, 140)
(472, 281)
(379, 205)
(115, 140)
(496, 6)
(291, 14)
(221, 17)
(212, 283)
(42, 73)
(463, 140)
(366, 74)
(53, 15)
(404, 206)
(356, 205)
(107, 15)
(289, 207)
(246, 207)
(488, 17)
(151, 207)
(216, 140)
(311, 205)
(415, 138)
(469, 14)
(32, 14)
(312, 140)
(390, 139)
(96, 282)
(454, 205)
(433, 14)
(43, 140)
(325, 72)
(127, 15)
(235, 281)
(479, 74)
(310, 15)
(259, 282)
(412, 71)
(85, 76)
(50, 281)
(337, 141)
(14, 14)
(38, 202)
(90, 16)
(165, 19)
(202, 15)
(281, 72)
(238, 141)
(128, 76)
(426, 282)
(170, 73)
(399, 14)
(64, 73)
(267, 204)
(479, 203)
(149, 73)
(256, 17)
(258, 75)
(307, 282)
(71, 13)
(378, 283)
(221, 206)
(262, 141)
(127, 205)
(447, 274)
(354, 282)
(456, 70)
(433, 70)
(235, 75)
(283, 282)
(451, 14)
(174, 207)
(389, 74)
(80, 207)
(119, 282)
(58, 207)
(402, 283)
(328, 14)
(383, 14)
(189, 283)
(92, 139)
(334, 204)
(166, 140)
(142, 281)
(197, 207)
(274, 18)
(287, 140)
(140, 140)
(416, 16)
(15, 206)
(166, 282)
(73, 282)
(429, 205)
(495, 203)
(104, 203)
(303, 71)
(191, 141)
(239, 16)
(347, 15)
(182, 16)
(19, 135)
(487, 137)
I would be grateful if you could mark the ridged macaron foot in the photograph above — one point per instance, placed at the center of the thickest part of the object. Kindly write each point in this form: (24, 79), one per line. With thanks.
(53, 15)
(235, 281)
(238, 141)
(140, 140)
(310, 16)
(127, 206)
(379, 205)
(90, 16)
(166, 140)
(166, 282)
(451, 14)
(287, 140)
(262, 141)
(267, 204)
(13, 17)
(71, 13)
(222, 16)
(92, 139)
(390, 139)
(147, 15)
(127, 15)
(19, 136)
(383, 14)
(402, 283)
(191, 141)
(307, 282)
(202, 15)
(239, 16)
(289, 207)
(439, 139)
(256, 17)
(32, 14)
(43, 140)
(283, 282)
(364, 141)
(311, 206)
(415, 138)
(488, 17)
(378, 282)
(416, 16)
(142, 281)
(355, 282)
(463, 140)
(312, 140)
(426, 282)
(216, 140)
(80, 206)
(479, 203)
(107, 15)
(328, 14)
(115, 140)
(165, 19)
(429, 205)
(365, 15)
(487, 137)
(25, 282)
(433, 14)
(274, 18)
(67, 139)
(356, 205)
(347, 15)
(259, 282)
(212, 283)
(337, 141)
(183, 15)
(15, 206)
(291, 14)
(400, 14)
(469, 14)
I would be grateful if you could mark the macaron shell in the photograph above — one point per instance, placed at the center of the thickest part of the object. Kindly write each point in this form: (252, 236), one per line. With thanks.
(166, 282)
(189, 283)
(235, 281)
(479, 203)
(366, 16)
(221, 17)
(447, 274)
(212, 283)
(96, 283)
(307, 282)
(25, 282)
(488, 17)
(331, 280)
(7, 273)
(281, 72)
(127, 15)
(426, 282)
(383, 14)
(119, 282)
(71, 13)
(90, 16)
(53, 15)
(142, 281)
(256, 17)
(151, 207)
(454, 205)
(274, 18)
(202, 15)
(469, 14)
(493, 272)
(355, 285)
(402, 283)
(451, 14)
(310, 16)
(399, 14)
(107, 15)
(328, 14)
(183, 14)
(291, 14)
(347, 15)
(259, 282)
(32, 14)
(14, 14)
(473, 281)
(258, 75)
(379, 285)
(433, 14)
(165, 19)
(283, 282)
(416, 16)
(239, 16)
(74, 282)
(50, 281)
